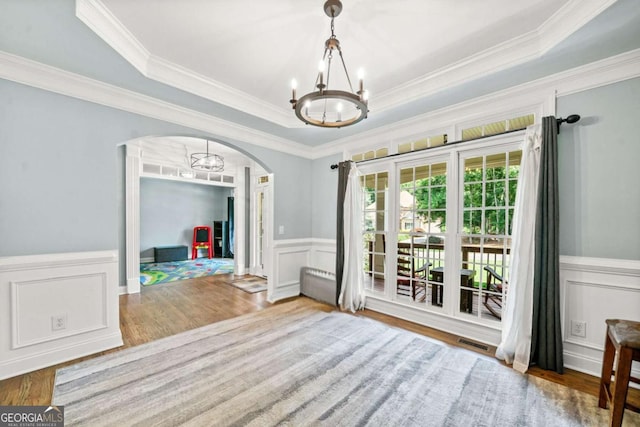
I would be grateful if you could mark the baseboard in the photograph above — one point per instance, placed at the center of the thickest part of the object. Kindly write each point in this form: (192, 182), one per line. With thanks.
(481, 333)
(122, 290)
(287, 290)
(32, 362)
(147, 260)
(133, 285)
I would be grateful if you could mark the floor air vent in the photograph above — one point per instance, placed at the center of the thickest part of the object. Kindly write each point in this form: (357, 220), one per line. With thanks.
(475, 344)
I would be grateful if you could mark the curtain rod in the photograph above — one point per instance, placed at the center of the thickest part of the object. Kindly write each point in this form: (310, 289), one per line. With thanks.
(570, 119)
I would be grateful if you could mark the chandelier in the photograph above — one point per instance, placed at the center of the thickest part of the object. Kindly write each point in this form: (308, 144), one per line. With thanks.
(326, 107)
(207, 162)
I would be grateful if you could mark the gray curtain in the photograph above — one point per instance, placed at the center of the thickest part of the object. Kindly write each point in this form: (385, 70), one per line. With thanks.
(546, 337)
(343, 177)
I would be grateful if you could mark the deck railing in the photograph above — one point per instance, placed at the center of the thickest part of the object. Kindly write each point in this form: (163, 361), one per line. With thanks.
(474, 257)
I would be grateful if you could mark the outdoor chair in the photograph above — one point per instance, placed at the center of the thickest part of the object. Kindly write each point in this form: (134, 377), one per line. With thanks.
(493, 301)
(406, 271)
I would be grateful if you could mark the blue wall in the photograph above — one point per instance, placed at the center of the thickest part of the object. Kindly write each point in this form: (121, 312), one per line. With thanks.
(169, 210)
(599, 172)
(61, 180)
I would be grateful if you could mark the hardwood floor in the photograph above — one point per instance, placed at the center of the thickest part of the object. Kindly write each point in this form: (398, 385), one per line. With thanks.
(167, 309)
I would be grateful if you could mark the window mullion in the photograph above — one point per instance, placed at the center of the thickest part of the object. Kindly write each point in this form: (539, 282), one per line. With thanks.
(391, 232)
(452, 235)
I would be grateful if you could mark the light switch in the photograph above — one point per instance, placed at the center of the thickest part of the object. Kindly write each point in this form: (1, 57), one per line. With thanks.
(281, 229)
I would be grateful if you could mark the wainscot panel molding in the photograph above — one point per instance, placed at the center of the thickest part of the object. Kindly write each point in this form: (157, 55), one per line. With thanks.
(57, 307)
(323, 254)
(593, 290)
(289, 256)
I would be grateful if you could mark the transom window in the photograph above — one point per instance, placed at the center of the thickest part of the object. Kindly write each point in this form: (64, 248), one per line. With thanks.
(369, 155)
(422, 143)
(488, 129)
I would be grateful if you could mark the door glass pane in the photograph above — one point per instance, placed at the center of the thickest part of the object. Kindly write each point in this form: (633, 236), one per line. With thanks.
(375, 192)
(420, 250)
(489, 187)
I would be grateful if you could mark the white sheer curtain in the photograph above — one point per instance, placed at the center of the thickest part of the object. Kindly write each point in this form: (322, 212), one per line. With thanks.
(352, 295)
(515, 347)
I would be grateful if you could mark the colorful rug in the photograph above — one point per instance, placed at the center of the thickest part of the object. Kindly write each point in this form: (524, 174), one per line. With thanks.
(251, 284)
(163, 272)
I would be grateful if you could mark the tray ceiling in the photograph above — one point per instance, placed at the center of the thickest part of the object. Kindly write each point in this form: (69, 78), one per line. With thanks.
(243, 53)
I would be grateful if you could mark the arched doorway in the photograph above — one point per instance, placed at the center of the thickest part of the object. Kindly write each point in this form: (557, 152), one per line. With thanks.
(168, 157)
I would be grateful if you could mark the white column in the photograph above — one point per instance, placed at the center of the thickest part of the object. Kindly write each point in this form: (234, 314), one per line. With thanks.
(239, 222)
(132, 217)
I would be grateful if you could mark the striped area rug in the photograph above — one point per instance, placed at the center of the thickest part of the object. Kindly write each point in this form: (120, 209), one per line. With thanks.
(296, 366)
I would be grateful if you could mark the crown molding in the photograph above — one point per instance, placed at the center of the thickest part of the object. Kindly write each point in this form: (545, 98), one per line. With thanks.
(107, 26)
(572, 16)
(568, 19)
(42, 76)
(101, 21)
(542, 91)
(21, 70)
(163, 71)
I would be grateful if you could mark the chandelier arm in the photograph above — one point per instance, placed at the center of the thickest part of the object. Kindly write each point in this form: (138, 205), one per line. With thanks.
(345, 69)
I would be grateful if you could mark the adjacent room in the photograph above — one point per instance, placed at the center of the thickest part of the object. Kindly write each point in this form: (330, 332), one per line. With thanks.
(320, 212)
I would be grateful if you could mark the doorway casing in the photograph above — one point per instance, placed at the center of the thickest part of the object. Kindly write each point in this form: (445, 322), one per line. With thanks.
(133, 162)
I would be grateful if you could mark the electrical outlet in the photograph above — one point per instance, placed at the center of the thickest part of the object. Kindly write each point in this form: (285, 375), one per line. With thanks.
(579, 328)
(59, 322)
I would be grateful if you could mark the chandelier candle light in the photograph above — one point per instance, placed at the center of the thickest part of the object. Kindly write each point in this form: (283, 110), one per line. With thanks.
(325, 107)
(207, 162)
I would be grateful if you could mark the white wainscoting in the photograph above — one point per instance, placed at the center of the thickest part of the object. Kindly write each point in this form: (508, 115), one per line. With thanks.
(80, 288)
(289, 256)
(593, 290)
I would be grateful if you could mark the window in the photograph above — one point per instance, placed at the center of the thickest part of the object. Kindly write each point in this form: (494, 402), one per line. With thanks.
(495, 128)
(422, 208)
(421, 144)
(488, 191)
(369, 155)
(374, 219)
(436, 221)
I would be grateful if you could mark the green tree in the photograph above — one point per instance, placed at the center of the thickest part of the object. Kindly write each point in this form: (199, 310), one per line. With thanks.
(430, 194)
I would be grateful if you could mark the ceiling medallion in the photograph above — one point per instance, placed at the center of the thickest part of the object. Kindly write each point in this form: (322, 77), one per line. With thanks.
(207, 162)
(326, 107)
